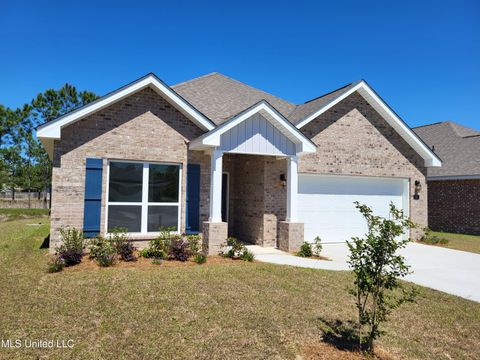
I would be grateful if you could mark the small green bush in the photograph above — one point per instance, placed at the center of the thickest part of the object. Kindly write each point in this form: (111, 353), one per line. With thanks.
(103, 251)
(200, 258)
(305, 250)
(247, 255)
(56, 264)
(430, 239)
(71, 250)
(234, 249)
(317, 246)
(157, 261)
(194, 243)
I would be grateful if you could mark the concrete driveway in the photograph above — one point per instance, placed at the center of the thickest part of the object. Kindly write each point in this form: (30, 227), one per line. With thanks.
(451, 271)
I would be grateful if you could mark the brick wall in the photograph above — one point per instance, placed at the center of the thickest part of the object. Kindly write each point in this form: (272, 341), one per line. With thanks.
(454, 206)
(353, 139)
(142, 127)
(257, 199)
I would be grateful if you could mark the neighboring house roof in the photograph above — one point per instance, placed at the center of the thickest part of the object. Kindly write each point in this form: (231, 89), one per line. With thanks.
(220, 97)
(457, 145)
(213, 138)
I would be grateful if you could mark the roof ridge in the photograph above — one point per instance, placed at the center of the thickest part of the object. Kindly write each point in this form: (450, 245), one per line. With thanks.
(196, 78)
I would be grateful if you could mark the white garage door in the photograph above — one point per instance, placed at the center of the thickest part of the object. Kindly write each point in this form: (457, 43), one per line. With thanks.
(326, 203)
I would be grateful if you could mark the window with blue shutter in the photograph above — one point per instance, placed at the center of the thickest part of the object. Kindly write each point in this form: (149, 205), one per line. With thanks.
(93, 197)
(193, 199)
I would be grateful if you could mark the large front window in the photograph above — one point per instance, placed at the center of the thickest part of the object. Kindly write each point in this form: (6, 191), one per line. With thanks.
(143, 197)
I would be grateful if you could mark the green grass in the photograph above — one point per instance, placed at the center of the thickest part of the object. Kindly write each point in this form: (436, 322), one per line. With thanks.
(462, 242)
(235, 310)
(15, 214)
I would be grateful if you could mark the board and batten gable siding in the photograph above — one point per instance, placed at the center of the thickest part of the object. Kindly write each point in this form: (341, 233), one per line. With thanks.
(256, 135)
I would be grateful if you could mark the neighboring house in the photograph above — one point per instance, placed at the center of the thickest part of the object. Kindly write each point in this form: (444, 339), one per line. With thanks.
(453, 189)
(216, 156)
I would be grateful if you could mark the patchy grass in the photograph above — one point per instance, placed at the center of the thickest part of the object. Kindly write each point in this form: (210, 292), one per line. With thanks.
(220, 310)
(16, 214)
(462, 242)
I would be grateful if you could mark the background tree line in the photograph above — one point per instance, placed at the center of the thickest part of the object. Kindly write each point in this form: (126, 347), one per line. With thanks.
(24, 163)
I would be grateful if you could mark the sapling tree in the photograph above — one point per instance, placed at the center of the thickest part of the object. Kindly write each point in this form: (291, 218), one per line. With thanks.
(377, 268)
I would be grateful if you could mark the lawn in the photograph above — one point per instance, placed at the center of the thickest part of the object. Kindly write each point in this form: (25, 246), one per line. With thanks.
(220, 310)
(462, 242)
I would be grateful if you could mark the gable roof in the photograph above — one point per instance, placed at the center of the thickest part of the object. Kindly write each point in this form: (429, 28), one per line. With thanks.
(220, 97)
(457, 145)
(212, 138)
(52, 129)
(211, 100)
(303, 111)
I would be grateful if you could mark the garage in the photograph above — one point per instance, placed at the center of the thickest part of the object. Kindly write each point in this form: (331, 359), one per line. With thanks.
(326, 203)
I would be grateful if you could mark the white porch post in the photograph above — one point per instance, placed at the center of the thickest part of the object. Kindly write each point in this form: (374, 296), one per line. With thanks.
(216, 187)
(292, 189)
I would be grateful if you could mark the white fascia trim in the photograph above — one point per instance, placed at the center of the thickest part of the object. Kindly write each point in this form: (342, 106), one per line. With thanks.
(431, 160)
(453, 177)
(53, 129)
(212, 139)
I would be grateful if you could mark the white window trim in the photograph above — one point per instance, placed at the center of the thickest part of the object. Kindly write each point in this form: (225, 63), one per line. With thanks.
(144, 233)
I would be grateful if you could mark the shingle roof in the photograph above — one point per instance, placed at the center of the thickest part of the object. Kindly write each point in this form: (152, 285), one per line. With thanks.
(457, 145)
(308, 108)
(220, 97)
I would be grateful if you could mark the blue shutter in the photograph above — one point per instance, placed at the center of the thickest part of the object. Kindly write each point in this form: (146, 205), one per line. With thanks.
(193, 199)
(93, 197)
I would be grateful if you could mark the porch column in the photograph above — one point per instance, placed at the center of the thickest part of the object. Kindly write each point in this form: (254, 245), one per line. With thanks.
(216, 187)
(292, 189)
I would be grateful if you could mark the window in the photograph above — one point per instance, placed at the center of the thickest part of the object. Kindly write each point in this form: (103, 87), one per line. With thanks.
(143, 197)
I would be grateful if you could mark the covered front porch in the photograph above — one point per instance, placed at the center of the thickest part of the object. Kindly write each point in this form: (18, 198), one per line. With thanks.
(253, 180)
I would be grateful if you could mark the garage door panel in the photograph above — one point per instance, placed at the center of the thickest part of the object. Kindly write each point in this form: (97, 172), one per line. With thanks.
(327, 209)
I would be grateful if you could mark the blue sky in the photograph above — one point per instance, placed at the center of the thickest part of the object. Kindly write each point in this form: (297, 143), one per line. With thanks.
(422, 57)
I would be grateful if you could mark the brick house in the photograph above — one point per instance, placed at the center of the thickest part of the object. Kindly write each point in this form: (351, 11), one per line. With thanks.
(216, 156)
(453, 189)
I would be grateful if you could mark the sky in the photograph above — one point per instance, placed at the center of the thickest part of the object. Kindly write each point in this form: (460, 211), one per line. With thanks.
(422, 57)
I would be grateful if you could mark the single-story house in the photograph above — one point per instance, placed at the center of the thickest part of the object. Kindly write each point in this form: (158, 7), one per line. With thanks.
(216, 156)
(454, 188)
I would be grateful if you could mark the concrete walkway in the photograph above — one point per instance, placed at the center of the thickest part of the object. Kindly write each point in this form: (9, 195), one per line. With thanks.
(451, 271)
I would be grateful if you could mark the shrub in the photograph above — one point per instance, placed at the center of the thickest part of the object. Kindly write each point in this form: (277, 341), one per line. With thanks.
(235, 250)
(157, 261)
(430, 239)
(200, 258)
(56, 264)
(305, 250)
(194, 244)
(179, 248)
(247, 255)
(159, 247)
(103, 251)
(317, 246)
(123, 245)
(377, 268)
(71, 250)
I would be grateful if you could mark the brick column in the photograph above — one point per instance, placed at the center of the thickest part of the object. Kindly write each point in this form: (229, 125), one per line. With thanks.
(214, 234)
(290, 236)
